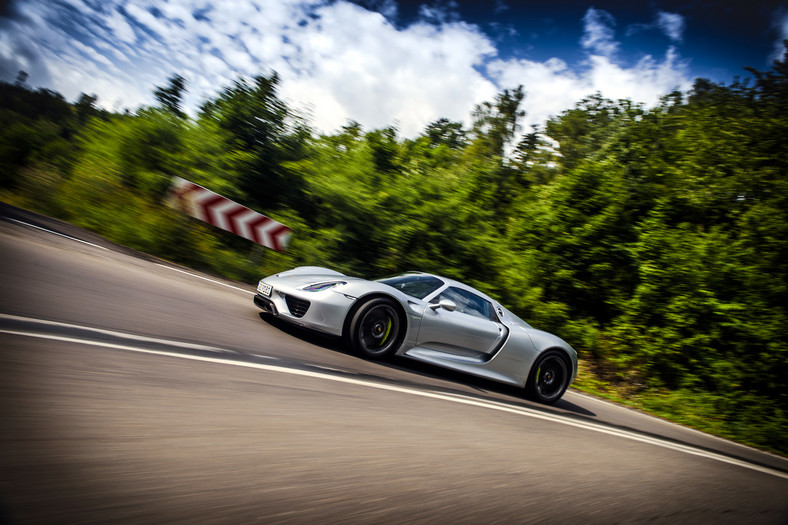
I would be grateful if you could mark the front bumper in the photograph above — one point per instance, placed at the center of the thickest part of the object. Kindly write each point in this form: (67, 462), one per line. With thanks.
(265, 304)
(324, 311)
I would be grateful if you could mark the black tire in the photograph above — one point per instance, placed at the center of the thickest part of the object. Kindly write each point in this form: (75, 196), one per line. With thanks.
(376, 329)
(549, 378)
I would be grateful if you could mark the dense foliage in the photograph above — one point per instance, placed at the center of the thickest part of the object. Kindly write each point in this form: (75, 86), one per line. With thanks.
(653, 240)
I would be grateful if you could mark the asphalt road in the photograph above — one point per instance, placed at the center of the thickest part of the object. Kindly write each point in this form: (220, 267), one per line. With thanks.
(133, 391)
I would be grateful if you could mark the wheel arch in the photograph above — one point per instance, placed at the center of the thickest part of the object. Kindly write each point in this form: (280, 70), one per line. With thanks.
(564, 355)
(546, 342)
(569, 363)
(361, 301)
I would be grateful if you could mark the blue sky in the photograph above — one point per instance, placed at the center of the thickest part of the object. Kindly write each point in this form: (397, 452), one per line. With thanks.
(386, 62)
(718, 37)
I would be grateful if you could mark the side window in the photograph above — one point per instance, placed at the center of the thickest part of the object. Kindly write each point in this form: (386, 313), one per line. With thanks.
(467, 303)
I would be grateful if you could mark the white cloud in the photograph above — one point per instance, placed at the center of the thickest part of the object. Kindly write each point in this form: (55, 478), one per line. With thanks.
(781, 24)
(671, 24)
(144, 17)
(552, 87)
(439, 12)
(92, 54)
(120, 27)
(378, 75)
(646, 82)
(500, 7)
(598, 35)
(387, 8)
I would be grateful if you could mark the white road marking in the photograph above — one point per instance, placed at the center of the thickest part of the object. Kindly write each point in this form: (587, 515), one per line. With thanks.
(56, 233)
(329, 369)
(204, 278)
(491, 405)
(157, 264)
(121, 335)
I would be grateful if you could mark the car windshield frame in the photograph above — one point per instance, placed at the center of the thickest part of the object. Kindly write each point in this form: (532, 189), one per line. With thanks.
(415, 285)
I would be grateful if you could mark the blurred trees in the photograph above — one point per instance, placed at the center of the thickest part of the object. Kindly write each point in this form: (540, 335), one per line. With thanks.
(36, 128)
(261, 135)
(170, 97)
(653, 240)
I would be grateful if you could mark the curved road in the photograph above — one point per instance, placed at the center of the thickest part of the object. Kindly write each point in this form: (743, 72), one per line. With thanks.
(134, 391)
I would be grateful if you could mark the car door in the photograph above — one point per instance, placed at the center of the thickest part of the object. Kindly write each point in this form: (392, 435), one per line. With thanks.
(471, 330)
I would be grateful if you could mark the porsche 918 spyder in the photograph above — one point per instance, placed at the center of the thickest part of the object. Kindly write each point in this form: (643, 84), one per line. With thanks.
(424, 317)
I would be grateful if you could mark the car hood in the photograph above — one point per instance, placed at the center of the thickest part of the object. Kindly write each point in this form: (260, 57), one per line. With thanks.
(307, 275)
(356, 287)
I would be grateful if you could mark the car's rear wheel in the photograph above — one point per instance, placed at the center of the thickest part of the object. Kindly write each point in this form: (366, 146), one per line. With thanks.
(549, 378)
(376, 328)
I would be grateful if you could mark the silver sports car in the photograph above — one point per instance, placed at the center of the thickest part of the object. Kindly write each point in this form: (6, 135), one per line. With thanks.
(423, 317)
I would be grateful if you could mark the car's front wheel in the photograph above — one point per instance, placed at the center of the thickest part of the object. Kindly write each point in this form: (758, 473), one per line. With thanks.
(549, 378)
(375, 329)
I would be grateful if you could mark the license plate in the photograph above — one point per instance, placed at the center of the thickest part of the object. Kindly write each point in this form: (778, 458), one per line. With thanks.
(264, 289)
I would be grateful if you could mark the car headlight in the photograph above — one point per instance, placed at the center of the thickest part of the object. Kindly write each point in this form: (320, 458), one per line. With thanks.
(319, 287)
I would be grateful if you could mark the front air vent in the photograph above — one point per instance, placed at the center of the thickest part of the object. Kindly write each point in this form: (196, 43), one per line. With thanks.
(297, 307)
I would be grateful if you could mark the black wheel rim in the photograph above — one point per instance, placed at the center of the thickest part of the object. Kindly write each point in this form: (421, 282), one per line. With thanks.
(378, 329)
(550, 378)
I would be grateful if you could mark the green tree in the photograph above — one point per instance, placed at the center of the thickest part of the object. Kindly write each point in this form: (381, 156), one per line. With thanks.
(445, 132)
(86, 108)
(263, 135)
(171, 97)
(496, 123)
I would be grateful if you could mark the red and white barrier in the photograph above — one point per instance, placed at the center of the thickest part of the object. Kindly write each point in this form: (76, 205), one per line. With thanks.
(220, 211)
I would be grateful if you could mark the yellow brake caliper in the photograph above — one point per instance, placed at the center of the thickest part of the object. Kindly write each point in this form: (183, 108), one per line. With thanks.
(386, 335)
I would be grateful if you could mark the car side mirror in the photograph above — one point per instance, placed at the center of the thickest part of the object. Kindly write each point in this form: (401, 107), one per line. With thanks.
(446, 304)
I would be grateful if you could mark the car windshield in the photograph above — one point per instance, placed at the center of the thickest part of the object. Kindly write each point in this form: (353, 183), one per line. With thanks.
(415, 285)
